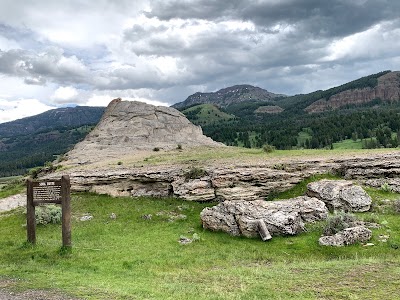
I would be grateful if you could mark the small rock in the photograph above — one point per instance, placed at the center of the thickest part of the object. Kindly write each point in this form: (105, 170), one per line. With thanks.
(113, 216)
(184, 240)
(369, 244)
(86, 218)
(147, 217)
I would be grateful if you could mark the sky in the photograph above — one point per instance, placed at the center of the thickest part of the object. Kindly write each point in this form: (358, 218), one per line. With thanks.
(83, 52)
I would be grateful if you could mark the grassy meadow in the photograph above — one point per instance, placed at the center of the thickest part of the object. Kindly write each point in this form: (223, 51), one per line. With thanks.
(137, 257)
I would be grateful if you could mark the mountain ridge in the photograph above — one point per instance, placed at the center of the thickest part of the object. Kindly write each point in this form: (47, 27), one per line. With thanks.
(228, 96)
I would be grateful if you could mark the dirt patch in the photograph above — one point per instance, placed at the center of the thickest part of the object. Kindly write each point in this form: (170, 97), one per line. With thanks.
(12, 202)
(7, 293)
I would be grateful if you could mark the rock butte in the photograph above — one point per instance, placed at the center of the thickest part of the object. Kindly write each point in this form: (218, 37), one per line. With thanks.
(132, 126)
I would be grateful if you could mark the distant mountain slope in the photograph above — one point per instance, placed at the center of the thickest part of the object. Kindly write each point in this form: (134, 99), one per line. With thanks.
(228, 96)
(30, 142)
(380, 87)
(365, 110)
(206, 114)
(385, 88)
(51, 119)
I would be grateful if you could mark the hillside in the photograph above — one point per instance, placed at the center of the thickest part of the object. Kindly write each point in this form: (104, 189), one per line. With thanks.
(206, 114)
(68, 117)
(29, 142)
(365, 110)
(228, 96)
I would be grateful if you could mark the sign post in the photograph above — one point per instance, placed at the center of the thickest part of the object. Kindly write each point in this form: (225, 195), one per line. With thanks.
(49, 192)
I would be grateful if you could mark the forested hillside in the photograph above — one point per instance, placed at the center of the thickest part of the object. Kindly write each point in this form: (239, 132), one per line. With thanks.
(32, 141)
(375, 123)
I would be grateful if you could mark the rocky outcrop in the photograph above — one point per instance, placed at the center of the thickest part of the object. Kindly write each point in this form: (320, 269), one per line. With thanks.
(387, 89)
(263, 218)
(340, 195)
(230, 181)
(131, 126)
(269, 109)
(348, 236)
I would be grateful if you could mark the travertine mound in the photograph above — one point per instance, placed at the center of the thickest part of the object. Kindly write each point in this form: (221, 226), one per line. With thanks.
(129, 126)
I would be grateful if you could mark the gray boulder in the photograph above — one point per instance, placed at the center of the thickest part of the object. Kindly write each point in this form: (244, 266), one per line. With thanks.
(347, 236)
(340, 195)
(263, 218)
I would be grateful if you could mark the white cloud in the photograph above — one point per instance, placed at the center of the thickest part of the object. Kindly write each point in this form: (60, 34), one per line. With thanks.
(104, 100)
(65, 94)
(12, 110)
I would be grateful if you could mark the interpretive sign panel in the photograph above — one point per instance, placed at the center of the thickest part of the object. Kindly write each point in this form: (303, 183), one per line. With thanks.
(49, 192)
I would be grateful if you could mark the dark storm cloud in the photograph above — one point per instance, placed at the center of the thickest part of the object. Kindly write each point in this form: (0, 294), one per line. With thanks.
(333, 18)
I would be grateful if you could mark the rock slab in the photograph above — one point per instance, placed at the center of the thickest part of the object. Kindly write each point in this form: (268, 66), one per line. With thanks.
(347, 236)
(263, 218)
(340, 195)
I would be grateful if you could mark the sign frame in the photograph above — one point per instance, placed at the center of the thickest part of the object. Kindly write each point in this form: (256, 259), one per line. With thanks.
(59, 193)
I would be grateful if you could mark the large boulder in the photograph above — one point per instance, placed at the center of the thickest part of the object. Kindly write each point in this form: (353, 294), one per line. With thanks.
(347, 236)
(263, 218)
(340, 195)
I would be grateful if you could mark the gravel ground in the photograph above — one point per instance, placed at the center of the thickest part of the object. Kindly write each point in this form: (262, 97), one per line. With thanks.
(7, 294)
(12, 202)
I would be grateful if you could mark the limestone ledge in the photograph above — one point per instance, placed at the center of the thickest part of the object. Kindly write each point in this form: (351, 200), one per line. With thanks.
(251, 181)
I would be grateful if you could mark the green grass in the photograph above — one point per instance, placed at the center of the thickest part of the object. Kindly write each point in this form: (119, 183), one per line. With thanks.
(206, 114)
(134, 258)
(10, 186)
(348, 144)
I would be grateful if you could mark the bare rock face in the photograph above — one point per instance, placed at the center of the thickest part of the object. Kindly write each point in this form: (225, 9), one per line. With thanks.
(340, 195)
(269, 109)
(347, 236)
(129, 126)
(263, 218)
(388, 89)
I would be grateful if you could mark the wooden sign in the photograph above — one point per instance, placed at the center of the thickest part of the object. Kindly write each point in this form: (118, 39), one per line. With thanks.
(49, 192)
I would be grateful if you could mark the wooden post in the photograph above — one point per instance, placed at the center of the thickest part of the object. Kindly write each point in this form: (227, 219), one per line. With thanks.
(66, 210)
(30, 213)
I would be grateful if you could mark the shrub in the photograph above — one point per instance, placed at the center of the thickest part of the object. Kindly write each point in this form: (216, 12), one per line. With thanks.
(386, 188)
(156, 149)
(268, 148)
(338, 222)
(119, 163)
(179, 147)
(49, 214)
(195, 173)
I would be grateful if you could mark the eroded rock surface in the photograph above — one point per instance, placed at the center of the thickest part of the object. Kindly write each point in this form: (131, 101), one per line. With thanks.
(233, 181)
(263, 218)
(129, 126)
(340, 195)
(347, 236)
(387, 89)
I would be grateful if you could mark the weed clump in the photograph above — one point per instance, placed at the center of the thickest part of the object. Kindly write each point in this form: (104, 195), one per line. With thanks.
(338, 222)
(49, 214)
(268, 148)
(195, 173)
(386, 188)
